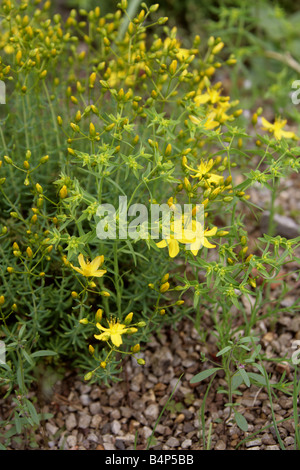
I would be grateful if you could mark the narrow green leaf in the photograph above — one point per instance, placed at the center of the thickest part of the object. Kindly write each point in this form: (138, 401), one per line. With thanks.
(22, 330)
(236, 380)
(27, 357)
(224, 350)
(17, 423)
(241, 421)
(32, 411)
(43, 352)
(257, 378)
(245, 377)
(203, 375)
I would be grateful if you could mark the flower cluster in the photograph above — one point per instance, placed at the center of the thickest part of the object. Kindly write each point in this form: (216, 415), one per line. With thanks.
(106, 106)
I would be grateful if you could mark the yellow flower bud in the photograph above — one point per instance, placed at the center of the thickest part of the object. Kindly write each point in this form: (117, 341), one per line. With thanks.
(105, 293)
(2, 299)
(110, 127)
(88, 376)
(92, 80)
(91, 349)
(71, 151)
(249, 258)
(168, 150)
(29, 252)
(75, 127)
(164, 287)
(148, 71)
(222, 233)
(165, 278)
(44, 159)
(243, 251)
(7, 159)
(136, 348)
(78, 116)
(39, 188)
(63, 192)
(92, 130)
(243, 240)
(18, 56)
(187, 184)
(254, 119)
(173, 67)
(84, 321)
(218, 48)
(186, 151)
(128, 318)
(43, 74)
(98, 315)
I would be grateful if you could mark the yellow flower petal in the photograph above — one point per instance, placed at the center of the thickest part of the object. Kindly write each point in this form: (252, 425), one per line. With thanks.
(99, 273)
(211, 232)
(266, 123)
(161, 244)
(207, 244)
(173, 248)
(81, 261)
(116, 339)
(98, 261)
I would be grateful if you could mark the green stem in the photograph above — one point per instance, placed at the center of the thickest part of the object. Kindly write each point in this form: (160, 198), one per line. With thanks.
(117, 280)
(271, 226)
(134, 4)
(13, 179)
(55, 125)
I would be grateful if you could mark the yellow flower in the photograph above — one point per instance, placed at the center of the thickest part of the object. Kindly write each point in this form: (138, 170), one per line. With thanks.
(277, 128)
(183, 54)
(114, 332)
(191, 234)
(212, 96)
(201, 239)
(204, 169)
(90, 269)
(209, 122)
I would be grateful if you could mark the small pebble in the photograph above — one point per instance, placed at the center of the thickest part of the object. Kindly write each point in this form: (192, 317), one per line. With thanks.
(71, 422)
(173, 442)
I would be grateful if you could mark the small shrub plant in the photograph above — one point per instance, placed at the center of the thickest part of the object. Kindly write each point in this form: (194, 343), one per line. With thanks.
(102, 109)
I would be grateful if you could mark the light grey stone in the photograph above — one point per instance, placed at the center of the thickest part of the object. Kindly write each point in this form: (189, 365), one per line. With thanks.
(71, 422)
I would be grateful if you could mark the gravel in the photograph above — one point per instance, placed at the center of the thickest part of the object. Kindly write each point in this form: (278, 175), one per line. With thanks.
(123, 416)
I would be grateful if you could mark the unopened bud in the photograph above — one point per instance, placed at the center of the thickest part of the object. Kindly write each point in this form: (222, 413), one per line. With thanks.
(164, 287)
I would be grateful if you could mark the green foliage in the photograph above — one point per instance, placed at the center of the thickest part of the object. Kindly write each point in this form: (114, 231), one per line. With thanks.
(104, 106)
